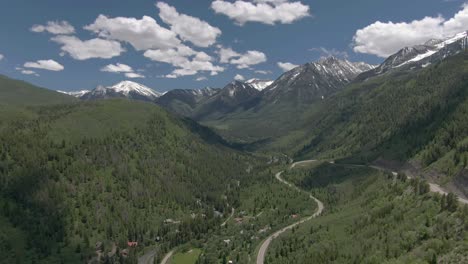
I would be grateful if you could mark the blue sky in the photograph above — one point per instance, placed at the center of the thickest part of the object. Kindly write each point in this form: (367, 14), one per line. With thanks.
(181, 43)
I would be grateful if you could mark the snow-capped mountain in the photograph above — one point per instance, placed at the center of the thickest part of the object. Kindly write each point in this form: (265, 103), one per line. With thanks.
(77, 94)
(425, 54)
(259, 84)
(231, 97)
(126, 89)
(315, 80)
(237, 89)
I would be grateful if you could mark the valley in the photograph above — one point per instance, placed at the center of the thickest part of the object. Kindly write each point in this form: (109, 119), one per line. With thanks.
(348, 146)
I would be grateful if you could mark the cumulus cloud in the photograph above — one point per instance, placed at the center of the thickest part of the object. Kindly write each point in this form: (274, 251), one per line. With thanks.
(263, 11)
(134, 75)
(93, 48)
(201, 78)
(55, 27)
(286, 66)
(49, 65)
(252, 57)
(384, 39)
(122, 68)
(187, 27)
(119, 67)
(185, 59)
(142, 34)
(225, 54)
(175, 57)
(239, 77)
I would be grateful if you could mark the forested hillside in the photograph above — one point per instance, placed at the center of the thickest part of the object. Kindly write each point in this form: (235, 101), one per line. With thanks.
(409, 115)
(14, 92)
(110, 172)
(373, 217)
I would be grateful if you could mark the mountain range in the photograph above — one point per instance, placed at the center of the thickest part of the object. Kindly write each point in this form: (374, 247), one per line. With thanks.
(100, 176)
(256, 110)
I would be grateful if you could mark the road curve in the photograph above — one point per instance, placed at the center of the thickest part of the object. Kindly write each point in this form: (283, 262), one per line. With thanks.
(167, 257)
(434, 188)
(264, 247)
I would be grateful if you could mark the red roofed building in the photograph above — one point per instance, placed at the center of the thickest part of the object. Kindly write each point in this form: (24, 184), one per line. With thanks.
(132, 244)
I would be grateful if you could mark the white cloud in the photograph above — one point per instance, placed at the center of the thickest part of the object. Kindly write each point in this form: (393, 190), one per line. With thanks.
(263, 11)
(133, 75)
(187, 27)
(29, 72)
(26, 72)
(287, 66)
(201, 78)
(186, 60)
(49, 65)
(385, 39)
(122, 68)
(225, 54)
(142, 34)
(252, 57)
(263, 72)
(93, 48)
(175, 57)
(194, 66)
(239, 77)
(55, 27)
(119, 67)
(270, 1)
(1, 57)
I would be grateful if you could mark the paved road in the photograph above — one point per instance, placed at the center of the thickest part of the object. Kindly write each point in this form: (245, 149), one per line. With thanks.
(167, 257)
(264, 247)
(147, 258)
(301, 162)
(434, 188)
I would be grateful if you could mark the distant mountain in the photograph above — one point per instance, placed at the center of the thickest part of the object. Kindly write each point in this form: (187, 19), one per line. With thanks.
(259, 84)
(76, 94)
(243, 113)
(184, 101)
(314, 81)
(228, 99)
(421, 56)
(125, 89)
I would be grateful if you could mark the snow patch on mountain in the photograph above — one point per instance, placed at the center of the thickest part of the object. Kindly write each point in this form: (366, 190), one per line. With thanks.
(126, 87)
(259, 84)
(423, 55)
(77, 94)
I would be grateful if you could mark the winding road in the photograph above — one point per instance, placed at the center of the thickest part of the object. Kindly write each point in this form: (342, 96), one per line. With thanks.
(264, 247)
(434, 188)
(167, 257)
